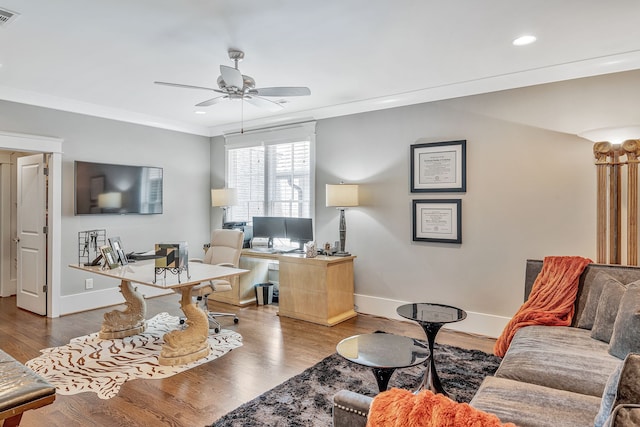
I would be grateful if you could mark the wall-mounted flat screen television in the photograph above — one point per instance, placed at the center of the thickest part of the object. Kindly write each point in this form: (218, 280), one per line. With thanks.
(102, 188)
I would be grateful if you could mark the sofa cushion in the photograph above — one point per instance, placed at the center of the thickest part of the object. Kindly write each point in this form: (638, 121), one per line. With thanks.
(589, 312)
(607, 310)
(626, 338)
(608, 398)
(560, 357)
(626, 406)
(533, 405)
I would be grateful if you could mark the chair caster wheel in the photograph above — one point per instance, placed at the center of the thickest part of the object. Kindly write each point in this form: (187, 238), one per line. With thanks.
(182, 321)
(236, 320)
(216, 330)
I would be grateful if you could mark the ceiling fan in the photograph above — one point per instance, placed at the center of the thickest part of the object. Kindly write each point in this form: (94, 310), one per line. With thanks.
(232, 84)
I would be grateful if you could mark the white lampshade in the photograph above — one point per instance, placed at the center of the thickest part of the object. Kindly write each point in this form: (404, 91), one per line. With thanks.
(342, 195)
(111, 200)
(224, 197)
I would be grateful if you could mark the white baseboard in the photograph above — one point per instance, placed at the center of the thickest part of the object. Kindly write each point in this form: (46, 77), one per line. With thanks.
(475, 323)
(102, 298)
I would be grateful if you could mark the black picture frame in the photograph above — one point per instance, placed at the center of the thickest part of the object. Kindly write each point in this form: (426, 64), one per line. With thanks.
(438, 167)
(437, 220)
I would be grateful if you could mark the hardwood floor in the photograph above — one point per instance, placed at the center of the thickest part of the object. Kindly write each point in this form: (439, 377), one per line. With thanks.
(274, 349)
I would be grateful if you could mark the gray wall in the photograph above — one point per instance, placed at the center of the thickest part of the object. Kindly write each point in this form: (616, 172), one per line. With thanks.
(186, 166)
(530, 193)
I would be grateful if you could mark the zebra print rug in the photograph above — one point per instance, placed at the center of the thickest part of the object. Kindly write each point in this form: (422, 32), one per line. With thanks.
(91, 364)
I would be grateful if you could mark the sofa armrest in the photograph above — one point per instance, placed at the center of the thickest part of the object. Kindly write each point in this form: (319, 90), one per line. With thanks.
(350, 409)
(626, 415)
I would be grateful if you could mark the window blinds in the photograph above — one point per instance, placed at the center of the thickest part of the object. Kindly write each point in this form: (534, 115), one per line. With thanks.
(273, 172)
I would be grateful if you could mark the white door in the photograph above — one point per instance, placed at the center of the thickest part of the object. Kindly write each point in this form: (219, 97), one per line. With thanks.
(31, 234)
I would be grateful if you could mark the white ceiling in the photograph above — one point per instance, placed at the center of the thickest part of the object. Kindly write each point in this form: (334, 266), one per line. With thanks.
(101, 57)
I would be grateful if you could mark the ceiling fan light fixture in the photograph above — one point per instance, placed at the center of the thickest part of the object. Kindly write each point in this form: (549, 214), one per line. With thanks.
(233, 85)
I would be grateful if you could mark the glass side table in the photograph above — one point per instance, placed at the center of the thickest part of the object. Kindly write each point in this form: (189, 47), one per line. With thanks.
(431, 317)
(383, 353)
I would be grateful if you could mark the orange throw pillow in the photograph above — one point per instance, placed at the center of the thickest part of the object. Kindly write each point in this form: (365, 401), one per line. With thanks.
(401, 408)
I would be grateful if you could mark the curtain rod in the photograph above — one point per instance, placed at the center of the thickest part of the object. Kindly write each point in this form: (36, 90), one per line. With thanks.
(268, 129)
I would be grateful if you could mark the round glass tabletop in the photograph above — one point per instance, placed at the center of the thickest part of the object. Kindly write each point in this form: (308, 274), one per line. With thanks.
(381, 350)
(431, 313)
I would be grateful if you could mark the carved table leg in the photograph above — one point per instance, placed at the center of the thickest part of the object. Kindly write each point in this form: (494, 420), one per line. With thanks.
(130, 321)
(189, 344)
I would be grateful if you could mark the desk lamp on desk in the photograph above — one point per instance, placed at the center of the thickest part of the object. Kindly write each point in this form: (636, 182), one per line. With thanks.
(342, 196)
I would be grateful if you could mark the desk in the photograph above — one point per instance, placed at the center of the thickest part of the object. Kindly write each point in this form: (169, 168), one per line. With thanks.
(318, 290)
(181, 346)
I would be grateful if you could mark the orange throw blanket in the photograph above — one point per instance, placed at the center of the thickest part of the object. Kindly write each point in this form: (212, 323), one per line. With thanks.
(551, 301)
(401, 408)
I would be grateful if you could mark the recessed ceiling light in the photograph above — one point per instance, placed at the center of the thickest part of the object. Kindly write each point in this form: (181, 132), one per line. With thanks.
(524, 40)
(200, 112)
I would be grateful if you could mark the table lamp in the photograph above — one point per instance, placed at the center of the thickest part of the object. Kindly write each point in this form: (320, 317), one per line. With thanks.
(223, 198)
(342, 196)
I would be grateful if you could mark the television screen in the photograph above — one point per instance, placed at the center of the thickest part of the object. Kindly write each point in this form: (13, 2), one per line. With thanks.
(102, 188)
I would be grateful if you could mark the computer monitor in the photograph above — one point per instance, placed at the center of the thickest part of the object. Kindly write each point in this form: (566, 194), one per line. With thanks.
(270, 227)
(299, 230)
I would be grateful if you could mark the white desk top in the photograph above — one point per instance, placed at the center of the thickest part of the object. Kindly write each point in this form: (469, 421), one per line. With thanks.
(144, 273)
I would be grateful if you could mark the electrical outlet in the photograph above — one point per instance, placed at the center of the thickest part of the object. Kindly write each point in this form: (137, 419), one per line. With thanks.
(88, 283)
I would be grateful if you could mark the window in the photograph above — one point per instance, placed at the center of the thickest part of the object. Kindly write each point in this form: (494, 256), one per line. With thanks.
(273, 172)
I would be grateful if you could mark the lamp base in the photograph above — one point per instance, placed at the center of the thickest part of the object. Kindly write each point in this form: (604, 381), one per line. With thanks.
(339, 253)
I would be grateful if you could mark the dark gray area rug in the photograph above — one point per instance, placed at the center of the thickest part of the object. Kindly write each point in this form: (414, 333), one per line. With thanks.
(306, 399)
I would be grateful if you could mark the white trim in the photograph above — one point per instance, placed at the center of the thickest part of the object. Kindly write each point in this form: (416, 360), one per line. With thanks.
(103, 298)
(476, 323)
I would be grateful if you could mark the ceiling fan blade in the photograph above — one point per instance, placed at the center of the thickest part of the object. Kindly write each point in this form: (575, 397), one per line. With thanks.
(187, 86)
(263, 103)
(212, 101)
(282, 91)
(232, 77)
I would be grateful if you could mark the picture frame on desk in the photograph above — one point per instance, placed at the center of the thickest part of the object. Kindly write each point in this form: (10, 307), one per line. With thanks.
(110, 258)
(116, 245)
(439, 167)
(437, 220)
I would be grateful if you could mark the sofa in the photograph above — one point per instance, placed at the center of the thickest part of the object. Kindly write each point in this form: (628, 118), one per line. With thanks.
(585, 374)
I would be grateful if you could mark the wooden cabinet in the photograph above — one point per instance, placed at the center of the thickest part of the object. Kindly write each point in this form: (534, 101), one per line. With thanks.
(318, 290)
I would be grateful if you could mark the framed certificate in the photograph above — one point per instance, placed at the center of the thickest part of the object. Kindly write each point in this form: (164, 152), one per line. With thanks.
(437, 220)
(439, 167)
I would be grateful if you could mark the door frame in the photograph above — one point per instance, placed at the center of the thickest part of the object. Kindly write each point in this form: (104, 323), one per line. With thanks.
(44, 144)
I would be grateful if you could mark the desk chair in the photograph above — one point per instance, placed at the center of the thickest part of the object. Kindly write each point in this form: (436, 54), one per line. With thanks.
(225, 249)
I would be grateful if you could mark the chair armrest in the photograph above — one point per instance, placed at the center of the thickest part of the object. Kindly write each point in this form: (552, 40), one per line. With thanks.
(350, 409)
(625, 415)
(226, 264)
